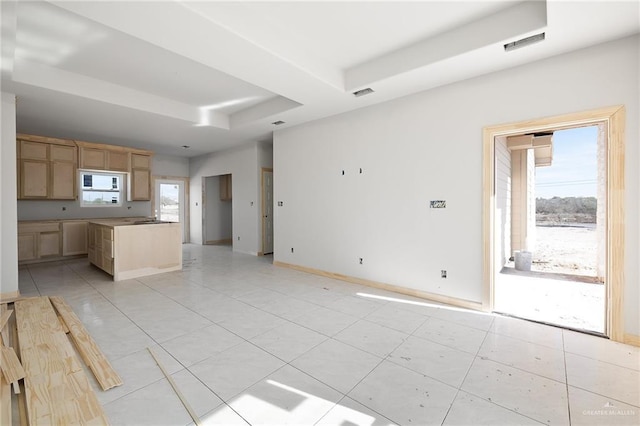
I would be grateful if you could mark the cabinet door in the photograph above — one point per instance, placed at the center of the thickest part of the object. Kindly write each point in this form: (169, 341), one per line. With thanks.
(62, 153)
(140, 184)
(74, 238)
(63, 181)
(140, 161)
(27, 247)
(49, 244)
(93, 158)
(117, 161)
(34, 178)
(34, 150)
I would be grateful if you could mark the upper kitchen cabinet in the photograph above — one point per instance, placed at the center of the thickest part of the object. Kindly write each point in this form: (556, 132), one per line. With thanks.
(140, 177)
(46, 168)
(103, 157)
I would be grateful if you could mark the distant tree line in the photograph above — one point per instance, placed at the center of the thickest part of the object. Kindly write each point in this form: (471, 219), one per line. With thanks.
(572, 205)
(559, 211)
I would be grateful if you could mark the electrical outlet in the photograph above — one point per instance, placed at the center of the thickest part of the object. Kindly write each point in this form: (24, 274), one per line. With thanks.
(443, 273)
(438, 204)
(280, 204)
(360, 260)
(291, 249)
(238, 238)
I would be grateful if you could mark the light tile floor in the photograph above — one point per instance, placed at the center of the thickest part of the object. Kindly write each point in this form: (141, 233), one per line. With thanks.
(248, 342)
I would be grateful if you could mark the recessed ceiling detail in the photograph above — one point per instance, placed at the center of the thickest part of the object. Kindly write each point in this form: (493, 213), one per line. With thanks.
(212, 75)
(524, 42)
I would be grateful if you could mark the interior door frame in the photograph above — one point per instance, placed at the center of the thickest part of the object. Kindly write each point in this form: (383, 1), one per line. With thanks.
(263, 206)
(185, 180)
(614, 119)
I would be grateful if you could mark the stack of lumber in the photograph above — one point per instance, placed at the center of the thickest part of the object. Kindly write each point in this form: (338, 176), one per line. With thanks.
(55, 388)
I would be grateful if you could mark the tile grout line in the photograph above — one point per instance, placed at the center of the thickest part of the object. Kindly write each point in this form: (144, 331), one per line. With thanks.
(459, 388)
(478, 396)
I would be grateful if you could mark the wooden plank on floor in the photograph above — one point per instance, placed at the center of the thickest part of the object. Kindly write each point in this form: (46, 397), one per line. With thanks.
(5, 387)
(186, 405)
(5, 314)
(4, 318)
(88, 348)
(10, 365)
(22, 403)
(57, 390)
(5, 402)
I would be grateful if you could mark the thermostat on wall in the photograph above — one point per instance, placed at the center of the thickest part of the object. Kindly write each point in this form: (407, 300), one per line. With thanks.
(438, 204)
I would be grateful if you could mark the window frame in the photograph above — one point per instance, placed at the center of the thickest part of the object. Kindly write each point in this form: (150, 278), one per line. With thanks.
(121, 190)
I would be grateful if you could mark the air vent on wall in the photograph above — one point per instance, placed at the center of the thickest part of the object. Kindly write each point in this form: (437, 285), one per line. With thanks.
(277, 123)
(523, 42)
(362, 92)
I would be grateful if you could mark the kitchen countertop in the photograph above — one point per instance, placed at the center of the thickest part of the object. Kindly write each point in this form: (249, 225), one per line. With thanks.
(127, 222)
(120, 219)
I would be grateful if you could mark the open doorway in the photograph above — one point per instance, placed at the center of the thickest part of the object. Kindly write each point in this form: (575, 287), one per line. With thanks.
(217, 210)
(501, 243)
(267, 210)
(553, 194)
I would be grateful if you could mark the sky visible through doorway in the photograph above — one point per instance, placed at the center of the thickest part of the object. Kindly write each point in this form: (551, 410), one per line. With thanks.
(574, 171)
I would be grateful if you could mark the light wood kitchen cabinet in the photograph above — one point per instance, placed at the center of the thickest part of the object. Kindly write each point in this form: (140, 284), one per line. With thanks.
(135, 249)
(102, 157)
(118, 161)
(27, 246)
(74, 238)
(225, 188)
(46, 168)
(140, 178)
(37, 240)
(93, 158)
(63, 181)
(49, 243)
(33, 150)
(100, 246)
(34, 179)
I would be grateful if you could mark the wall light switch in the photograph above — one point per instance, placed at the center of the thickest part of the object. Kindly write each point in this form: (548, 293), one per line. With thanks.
(437, 204)
(280, 203)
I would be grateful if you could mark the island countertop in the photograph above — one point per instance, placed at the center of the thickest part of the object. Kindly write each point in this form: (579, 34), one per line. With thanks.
(127, 222)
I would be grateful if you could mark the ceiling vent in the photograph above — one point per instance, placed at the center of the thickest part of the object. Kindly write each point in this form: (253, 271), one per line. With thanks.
(362, 92)
(277, 123)
(523, 42)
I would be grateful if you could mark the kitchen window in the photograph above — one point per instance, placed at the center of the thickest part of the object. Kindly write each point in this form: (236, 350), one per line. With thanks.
(101, 189)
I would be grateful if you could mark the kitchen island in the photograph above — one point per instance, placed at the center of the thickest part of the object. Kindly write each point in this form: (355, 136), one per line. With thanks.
(131, 249)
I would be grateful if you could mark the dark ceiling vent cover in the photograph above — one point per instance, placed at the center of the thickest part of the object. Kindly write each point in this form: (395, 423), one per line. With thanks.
(277, 123)
(362, 92)
(523, 42)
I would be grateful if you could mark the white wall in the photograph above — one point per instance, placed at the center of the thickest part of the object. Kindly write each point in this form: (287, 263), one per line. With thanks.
(168, 165)
(428, 146)
(53, 209)
(8, 194)
(218, 220)
(242, 163)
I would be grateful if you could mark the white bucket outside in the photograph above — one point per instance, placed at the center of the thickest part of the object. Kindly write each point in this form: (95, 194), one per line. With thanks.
(523, 260)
